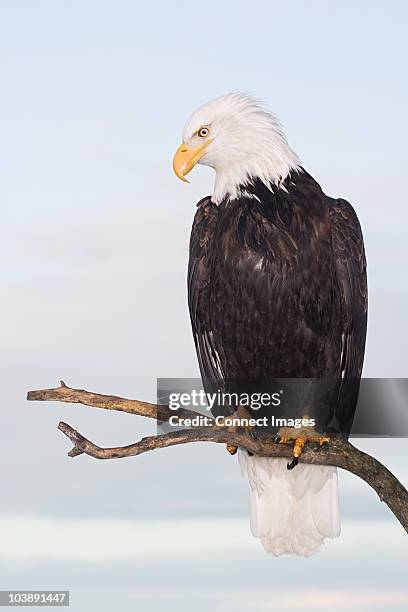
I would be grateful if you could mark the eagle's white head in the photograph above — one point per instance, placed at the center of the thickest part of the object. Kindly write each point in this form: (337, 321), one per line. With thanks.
(238, 137)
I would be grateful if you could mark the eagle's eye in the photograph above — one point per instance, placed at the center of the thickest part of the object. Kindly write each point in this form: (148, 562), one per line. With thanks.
(203, 132)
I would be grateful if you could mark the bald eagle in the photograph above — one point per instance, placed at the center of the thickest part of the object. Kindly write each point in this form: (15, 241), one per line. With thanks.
(276, 289)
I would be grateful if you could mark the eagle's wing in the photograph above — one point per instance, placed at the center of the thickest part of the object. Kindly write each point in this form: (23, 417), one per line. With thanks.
(350, 264)
(198, 285)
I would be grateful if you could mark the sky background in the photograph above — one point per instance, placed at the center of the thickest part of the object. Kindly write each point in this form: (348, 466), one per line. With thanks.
(95, 232)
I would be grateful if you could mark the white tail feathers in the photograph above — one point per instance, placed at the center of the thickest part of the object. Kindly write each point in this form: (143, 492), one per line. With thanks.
(292, 512)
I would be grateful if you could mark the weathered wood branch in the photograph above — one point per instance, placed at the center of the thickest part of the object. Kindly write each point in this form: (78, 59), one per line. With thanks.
(338, 452)
(63, 393)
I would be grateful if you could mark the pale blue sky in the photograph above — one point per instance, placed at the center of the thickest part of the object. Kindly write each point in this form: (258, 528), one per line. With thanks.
(94, 96)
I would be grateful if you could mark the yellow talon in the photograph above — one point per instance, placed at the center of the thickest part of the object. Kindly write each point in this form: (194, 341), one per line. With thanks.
(298, 447)
(240, 413)
(286, 435)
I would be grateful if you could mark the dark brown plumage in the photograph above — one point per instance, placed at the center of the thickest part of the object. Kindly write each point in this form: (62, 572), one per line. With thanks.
(277, 289)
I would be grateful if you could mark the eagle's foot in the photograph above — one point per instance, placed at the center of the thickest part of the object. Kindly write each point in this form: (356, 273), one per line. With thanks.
(232, 449)
(240, 413)
(299, 437)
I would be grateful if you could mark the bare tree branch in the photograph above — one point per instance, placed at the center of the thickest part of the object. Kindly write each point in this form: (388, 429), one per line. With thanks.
(63, 393)
(338, 452)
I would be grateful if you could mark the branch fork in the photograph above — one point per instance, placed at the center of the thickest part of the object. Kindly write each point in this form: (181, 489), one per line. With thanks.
(338, 452)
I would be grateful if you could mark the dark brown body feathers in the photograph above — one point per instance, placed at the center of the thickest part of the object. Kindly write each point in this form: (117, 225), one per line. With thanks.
(277, 287)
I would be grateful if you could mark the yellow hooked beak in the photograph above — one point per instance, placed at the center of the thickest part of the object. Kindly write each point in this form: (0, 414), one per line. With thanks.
(186, 158)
